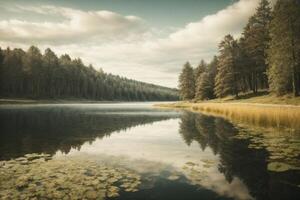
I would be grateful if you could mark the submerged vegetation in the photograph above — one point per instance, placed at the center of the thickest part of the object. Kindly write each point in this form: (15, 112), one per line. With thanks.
(35, 176)
(283, 148)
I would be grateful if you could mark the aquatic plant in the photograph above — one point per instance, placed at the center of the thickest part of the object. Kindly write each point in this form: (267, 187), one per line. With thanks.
(283, 148)
(35, 176)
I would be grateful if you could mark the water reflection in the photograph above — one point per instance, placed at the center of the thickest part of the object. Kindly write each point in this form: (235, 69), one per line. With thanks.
(237, 160)
(157, 153)
(48, 128)
(179, 155)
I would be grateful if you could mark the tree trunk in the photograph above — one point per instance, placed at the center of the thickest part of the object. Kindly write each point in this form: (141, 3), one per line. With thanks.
(295, 70)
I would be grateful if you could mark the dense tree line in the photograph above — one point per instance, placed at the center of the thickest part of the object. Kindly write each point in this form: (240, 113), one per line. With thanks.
(32, 74)
(265, 57)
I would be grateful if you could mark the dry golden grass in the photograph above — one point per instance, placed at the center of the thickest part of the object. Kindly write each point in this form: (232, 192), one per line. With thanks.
(266, 115)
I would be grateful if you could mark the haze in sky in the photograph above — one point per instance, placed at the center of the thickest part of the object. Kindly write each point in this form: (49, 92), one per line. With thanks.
(140, 39)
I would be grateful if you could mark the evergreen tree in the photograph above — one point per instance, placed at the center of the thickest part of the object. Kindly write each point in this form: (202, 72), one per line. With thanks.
(255, 43)
(226, 80)
(33, 70)
(203, 87)
(1, 71)
(198, 74)
(246, 68)
(200, 69)
(50, 65)
(187, 82)
(212, 72)
(206, 81)
(284, 52)
(31, 74)
(12, 81)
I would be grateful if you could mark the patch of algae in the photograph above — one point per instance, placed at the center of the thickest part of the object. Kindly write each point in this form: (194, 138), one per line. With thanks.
(36, 176)
(195, 172)
(280, 167)
(283, 148)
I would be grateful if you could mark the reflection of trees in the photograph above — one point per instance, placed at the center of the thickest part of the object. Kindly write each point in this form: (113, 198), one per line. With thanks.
(236, 159)
(206, 130)
(187, 128)
(48, 130)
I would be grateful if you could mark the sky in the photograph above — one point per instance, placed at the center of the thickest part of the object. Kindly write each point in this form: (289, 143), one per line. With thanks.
(146, 40)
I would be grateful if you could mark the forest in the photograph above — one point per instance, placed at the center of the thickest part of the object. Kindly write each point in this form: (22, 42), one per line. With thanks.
(32, 74)
(265, 58)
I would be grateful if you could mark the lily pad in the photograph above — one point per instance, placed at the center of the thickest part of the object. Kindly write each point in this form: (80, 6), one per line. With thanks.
(190, 164)
(279, 167)
(173, 177)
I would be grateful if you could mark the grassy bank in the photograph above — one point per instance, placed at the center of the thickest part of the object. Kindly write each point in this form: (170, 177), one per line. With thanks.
(260, 113)
(260, 98)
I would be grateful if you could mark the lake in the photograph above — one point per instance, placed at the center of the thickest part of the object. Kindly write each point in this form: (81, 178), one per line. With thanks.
(134, 151)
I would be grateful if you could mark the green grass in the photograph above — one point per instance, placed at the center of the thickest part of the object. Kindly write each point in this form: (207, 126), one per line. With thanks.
(260, 98)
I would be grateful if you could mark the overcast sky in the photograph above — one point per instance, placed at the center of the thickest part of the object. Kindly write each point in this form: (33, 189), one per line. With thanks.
(147, 40)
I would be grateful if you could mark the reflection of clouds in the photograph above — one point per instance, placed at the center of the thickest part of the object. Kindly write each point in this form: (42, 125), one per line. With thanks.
(212, 179)
(157, 147)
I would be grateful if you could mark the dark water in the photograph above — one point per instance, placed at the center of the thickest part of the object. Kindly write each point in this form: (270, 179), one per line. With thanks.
(179, 154)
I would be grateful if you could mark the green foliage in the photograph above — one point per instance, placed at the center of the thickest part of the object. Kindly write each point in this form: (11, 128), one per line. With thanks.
(187, 82)
(284, 51)
(203, 87)
(226, 80)
(33, 75)
(255, 43)
(200, 69)
(267, 56)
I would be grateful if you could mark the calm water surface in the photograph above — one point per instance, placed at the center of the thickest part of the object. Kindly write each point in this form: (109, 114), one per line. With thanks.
(178, 154)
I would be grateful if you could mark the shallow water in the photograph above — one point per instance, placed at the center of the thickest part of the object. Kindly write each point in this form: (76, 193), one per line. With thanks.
(172, 154)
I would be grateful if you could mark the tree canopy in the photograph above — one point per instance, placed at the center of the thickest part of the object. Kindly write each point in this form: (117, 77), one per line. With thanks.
(265, 57)
(32, 74)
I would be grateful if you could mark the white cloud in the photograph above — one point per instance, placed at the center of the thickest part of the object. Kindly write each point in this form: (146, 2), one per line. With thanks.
(75, 26)
(123, 44)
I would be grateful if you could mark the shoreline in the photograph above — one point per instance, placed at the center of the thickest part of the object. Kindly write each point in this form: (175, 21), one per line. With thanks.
(50, 101)
(4, 101)
(258, 114)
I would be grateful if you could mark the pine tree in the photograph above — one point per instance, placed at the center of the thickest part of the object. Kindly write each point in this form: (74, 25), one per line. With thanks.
(206, 81)
(212, 72)
(198, 74)
(203, 87)
(200, 69)
(31, 74)
(33, 70)
(256, 39)
(284, 52)
(226, 80)
(50, 66)
(1, 71)
(187, 82)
